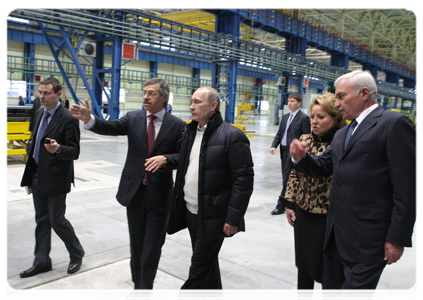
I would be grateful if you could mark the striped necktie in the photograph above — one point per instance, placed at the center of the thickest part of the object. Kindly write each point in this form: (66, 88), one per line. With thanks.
(349, 133)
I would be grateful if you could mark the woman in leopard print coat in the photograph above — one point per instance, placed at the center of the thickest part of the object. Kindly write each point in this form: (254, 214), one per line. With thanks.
(307, 199)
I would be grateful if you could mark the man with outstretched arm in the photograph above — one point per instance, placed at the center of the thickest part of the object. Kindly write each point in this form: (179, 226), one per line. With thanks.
(146, 183)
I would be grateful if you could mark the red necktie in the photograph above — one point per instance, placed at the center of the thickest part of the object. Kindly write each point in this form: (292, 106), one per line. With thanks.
(151, 136)
(151, 133)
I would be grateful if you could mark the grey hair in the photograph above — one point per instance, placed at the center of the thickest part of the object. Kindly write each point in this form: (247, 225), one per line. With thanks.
(162, 87)
(359, 79)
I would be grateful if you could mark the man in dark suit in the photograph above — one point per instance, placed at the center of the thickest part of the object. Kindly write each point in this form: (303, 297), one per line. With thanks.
(146, 184)
(372, 206)
(292, 126)
(49, 174)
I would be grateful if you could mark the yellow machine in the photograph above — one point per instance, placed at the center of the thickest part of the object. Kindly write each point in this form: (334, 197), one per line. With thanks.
(17, 138)
(245, 112)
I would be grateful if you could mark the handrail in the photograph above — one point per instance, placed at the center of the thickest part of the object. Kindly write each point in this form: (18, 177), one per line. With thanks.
(50, 67)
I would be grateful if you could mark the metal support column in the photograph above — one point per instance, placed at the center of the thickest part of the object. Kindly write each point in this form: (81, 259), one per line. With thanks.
(215, 76)
(372, 68)
(154, 66)
(29, 63)
(297, 45)
(281, 101)
(98, 72)
(301, 88)
(229, 22)
(230, 110)
(116, 70)
(410, 83)
(392, 78)
(339, 60)
(196, 79)
(385, 101)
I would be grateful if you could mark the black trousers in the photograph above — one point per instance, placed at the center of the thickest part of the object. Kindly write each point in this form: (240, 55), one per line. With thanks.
(50, 213)
(286, 166)
(147, 232)
(204, 272)
(341, 274)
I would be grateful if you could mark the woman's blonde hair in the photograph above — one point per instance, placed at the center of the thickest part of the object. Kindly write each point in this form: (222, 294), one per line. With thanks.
(327, 103)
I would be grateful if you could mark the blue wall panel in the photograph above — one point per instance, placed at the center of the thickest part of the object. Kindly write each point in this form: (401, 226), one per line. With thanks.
(180, 61)
(256, 74)
(29, 37)
(316, 85)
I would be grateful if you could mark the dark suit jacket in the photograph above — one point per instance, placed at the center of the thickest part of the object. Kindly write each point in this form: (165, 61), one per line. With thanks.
(373, 196)
(160, 183)
(299, 125)
(35, 107)
(55, 171)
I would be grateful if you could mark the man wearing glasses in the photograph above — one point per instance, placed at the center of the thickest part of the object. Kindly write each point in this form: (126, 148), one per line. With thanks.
(146, 183)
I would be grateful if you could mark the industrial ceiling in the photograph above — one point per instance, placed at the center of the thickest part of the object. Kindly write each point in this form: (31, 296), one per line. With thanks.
(390, 33)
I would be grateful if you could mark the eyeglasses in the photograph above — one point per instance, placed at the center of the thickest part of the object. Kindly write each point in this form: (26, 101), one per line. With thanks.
(149, 94)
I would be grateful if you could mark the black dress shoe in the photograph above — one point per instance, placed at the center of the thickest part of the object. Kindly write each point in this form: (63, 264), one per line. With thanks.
(34, 271)
(75, 265)
(277, 211)
(132, 295)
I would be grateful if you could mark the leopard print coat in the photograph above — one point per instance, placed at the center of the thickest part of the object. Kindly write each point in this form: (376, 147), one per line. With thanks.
(310, 194)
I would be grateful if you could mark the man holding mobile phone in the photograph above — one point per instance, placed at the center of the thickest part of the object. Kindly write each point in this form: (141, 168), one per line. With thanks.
(48, 174)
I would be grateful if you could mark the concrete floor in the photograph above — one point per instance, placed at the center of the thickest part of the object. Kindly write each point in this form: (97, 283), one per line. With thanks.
(257, 264)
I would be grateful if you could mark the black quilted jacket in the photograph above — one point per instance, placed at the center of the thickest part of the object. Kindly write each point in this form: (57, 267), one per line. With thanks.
(226, 178)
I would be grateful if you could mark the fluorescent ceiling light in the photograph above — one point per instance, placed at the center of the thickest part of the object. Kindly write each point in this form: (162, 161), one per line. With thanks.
(16, 19)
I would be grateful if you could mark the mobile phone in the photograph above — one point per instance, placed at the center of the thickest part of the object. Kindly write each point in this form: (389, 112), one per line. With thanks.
(47, 141)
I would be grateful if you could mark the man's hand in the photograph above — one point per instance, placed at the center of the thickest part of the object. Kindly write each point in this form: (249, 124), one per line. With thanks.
(272, 150)
(229, 229)
(290, 215)
(392, 253)
(297, 150)
(53, 147)
(80, 112)
(154, 163)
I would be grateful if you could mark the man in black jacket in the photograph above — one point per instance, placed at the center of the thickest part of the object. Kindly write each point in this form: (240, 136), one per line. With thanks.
(213, 186)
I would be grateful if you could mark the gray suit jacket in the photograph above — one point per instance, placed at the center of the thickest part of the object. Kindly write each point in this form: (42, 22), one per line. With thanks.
(373, 196)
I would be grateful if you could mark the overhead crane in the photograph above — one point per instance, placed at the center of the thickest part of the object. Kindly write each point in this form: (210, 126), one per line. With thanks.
(175, 39)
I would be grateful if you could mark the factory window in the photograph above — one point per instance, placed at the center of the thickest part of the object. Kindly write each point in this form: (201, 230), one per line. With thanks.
(105, 99)
(16, 88)
(264, 105)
